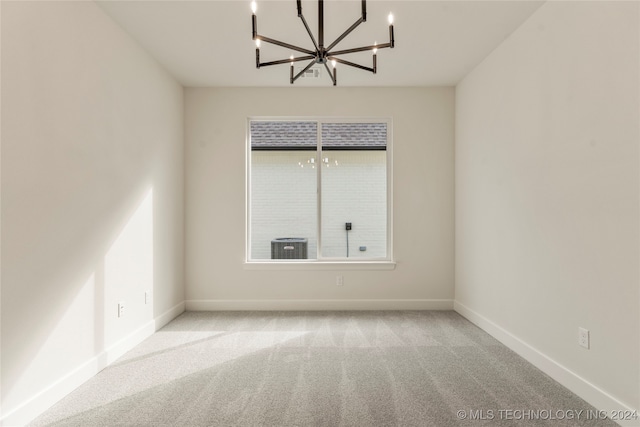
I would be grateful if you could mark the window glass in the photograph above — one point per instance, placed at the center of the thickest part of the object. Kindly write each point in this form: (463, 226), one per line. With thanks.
(283, 190)
(288, 159)
(354, 190)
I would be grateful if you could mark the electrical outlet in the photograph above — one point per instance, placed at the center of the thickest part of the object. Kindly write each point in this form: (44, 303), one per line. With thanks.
(147, 297)
(347, 226)
(339, 280)
(121, 308)
(583, 338)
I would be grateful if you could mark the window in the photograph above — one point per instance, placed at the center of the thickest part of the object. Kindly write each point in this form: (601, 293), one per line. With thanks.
(319, 190)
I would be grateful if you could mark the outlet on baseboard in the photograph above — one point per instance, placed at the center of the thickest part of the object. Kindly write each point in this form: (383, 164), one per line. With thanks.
(121, 308)
(339, 280)
(583, 338)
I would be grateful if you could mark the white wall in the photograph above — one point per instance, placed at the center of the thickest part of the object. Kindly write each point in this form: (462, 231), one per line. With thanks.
(92, 198)
(547, 196)
(284, 202)
(216, 121)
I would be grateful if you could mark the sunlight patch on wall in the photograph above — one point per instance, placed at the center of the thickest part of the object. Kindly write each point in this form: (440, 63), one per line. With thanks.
(128, 272)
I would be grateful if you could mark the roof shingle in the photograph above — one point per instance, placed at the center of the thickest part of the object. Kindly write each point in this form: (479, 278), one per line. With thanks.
(296, 135)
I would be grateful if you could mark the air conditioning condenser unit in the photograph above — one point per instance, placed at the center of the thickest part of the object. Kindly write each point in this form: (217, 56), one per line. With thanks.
(289, 248)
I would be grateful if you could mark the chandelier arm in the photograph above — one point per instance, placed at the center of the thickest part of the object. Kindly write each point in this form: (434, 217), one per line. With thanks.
(313, 61)
(346, 33)
(351, 64)
(333, 76)
(306, 26)
(286, 61)
(359, 49)
(287, 45)
(320, 26)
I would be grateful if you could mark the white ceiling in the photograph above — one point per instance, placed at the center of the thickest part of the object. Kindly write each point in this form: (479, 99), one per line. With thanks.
(208, 43)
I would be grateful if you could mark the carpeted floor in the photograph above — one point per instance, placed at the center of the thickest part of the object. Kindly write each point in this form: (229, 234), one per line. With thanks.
(382, 368)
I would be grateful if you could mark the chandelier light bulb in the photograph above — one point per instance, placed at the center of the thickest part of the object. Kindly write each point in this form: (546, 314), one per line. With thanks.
(291, 58)
(258, 43)
(390, 19)
(333, 62)
(254, 7)
(375, 49)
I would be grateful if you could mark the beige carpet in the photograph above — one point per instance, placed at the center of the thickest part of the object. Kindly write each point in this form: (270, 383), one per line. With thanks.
(389, 368)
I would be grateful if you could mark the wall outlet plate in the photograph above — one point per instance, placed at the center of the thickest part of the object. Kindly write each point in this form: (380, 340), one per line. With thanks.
(121, 309)
(583, 338)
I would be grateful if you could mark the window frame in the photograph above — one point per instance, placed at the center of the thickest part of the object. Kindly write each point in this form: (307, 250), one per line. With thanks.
(359, 263)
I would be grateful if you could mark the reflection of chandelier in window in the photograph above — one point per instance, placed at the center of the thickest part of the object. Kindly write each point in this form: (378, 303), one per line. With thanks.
(312, 162)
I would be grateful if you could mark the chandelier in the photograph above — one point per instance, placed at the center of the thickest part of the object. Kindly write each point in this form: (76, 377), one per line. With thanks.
(321, 54)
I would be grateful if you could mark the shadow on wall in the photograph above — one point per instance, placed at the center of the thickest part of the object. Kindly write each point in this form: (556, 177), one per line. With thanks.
(74, 316)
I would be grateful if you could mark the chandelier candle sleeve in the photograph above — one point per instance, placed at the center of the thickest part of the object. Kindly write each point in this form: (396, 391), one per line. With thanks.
(391, 39)
(375, 58)
(335, 74)
(291, 73)
(254, 22)
(321, 54)
(257, 53)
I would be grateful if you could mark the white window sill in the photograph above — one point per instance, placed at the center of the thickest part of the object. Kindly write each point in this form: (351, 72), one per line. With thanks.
(319, 265)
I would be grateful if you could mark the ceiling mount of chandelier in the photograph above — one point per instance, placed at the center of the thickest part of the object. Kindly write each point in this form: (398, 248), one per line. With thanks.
(321, 54)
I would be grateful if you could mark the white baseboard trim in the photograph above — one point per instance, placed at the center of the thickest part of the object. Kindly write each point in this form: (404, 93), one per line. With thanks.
(319, 304)
(127, 343)
(595, 396)
(43, 400)
(169, 315)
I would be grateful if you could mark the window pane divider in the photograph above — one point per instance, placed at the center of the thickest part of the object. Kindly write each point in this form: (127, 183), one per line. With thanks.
(319, 189)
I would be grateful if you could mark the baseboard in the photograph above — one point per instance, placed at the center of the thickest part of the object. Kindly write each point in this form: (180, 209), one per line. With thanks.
(50, 395)
(595, 396)
(168, 316)
(127, 343)
(319, 304)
